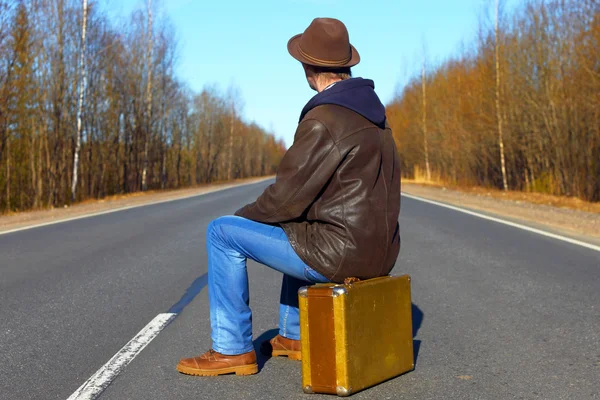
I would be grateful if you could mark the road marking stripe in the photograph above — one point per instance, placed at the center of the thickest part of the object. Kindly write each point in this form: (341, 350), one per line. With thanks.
(127, 208)
(109, 371)
(501, 221)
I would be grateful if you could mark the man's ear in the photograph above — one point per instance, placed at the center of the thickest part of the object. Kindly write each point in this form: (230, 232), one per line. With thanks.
(306, 69)
(310, 76)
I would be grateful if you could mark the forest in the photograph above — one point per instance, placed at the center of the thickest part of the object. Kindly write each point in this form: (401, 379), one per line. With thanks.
(90, 107)
(517, 108)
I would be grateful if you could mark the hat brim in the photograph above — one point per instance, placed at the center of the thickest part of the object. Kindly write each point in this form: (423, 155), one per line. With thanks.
(294, 50)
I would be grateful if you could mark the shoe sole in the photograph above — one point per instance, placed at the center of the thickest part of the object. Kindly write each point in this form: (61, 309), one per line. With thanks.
(292, 355)
(240, 371)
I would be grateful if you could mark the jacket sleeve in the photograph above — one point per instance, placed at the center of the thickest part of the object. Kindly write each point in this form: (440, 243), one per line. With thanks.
(305, 169)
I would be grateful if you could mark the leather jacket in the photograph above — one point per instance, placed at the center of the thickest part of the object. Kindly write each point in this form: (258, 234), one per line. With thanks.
(337, 195)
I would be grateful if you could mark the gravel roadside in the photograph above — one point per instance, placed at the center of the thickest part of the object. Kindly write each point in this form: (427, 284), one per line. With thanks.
(569, 222)
(30, 218)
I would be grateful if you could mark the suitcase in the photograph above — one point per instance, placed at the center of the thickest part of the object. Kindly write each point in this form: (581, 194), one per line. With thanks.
(355, 335)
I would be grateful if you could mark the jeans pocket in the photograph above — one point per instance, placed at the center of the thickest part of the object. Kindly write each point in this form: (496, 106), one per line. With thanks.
(313, 276)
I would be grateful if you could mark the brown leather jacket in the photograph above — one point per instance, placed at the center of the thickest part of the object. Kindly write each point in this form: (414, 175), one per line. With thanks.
(337, 195)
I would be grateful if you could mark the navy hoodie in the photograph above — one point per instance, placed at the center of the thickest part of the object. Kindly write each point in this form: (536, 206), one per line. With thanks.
(356, 94)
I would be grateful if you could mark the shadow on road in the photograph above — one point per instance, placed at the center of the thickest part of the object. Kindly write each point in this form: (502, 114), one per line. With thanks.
(417, 320)
(261, 358)
(202, 281)
(190, 293)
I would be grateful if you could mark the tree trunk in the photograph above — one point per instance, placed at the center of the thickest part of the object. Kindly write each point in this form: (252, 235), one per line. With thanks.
(40, 187)
(425, 144)
(8, 173)
(82, 85)
(32, 169)
(163, 174)
(230, 154)
(498, 109)
(148, 97)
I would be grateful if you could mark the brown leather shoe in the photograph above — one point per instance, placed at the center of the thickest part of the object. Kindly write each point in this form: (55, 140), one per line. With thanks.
(212, 363)
(282, 346)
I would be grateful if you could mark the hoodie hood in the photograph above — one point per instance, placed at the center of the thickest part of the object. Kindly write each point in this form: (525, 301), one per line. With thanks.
(356, 94)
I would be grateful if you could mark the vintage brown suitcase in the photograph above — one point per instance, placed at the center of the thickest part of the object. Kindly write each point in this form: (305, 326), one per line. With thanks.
(355, 335)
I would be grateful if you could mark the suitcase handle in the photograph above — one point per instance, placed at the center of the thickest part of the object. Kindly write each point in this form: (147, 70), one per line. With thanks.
(350, 280)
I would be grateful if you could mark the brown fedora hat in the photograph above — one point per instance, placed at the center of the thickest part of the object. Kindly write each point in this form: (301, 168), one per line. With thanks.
(325, 43)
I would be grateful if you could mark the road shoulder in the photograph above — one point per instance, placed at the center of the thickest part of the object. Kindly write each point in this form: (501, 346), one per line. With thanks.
(41, 217)
(580, 225)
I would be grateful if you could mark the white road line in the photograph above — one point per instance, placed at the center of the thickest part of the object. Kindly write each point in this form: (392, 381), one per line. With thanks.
(501, 221)
(126, 208)
(109, 371)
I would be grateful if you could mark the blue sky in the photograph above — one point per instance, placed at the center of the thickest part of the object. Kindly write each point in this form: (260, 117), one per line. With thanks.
(244, 42)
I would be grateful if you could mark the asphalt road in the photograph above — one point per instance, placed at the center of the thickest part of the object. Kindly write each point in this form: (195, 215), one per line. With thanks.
(500, 313)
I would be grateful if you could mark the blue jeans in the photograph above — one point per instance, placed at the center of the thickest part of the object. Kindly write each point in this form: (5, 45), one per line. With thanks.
(230, 241)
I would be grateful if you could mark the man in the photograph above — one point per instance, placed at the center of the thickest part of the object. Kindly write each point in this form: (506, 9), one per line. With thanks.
(332, 212)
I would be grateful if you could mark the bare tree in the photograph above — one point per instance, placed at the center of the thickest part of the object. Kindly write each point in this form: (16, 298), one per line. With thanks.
(82, 86)
(498, 102)
(518, 110)
(234, 100)
(148, 118)
(56, 67)
(425, 143)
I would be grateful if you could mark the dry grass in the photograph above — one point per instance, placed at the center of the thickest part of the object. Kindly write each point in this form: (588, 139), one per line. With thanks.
(533, 198)
(108, 199)
(165, 191)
